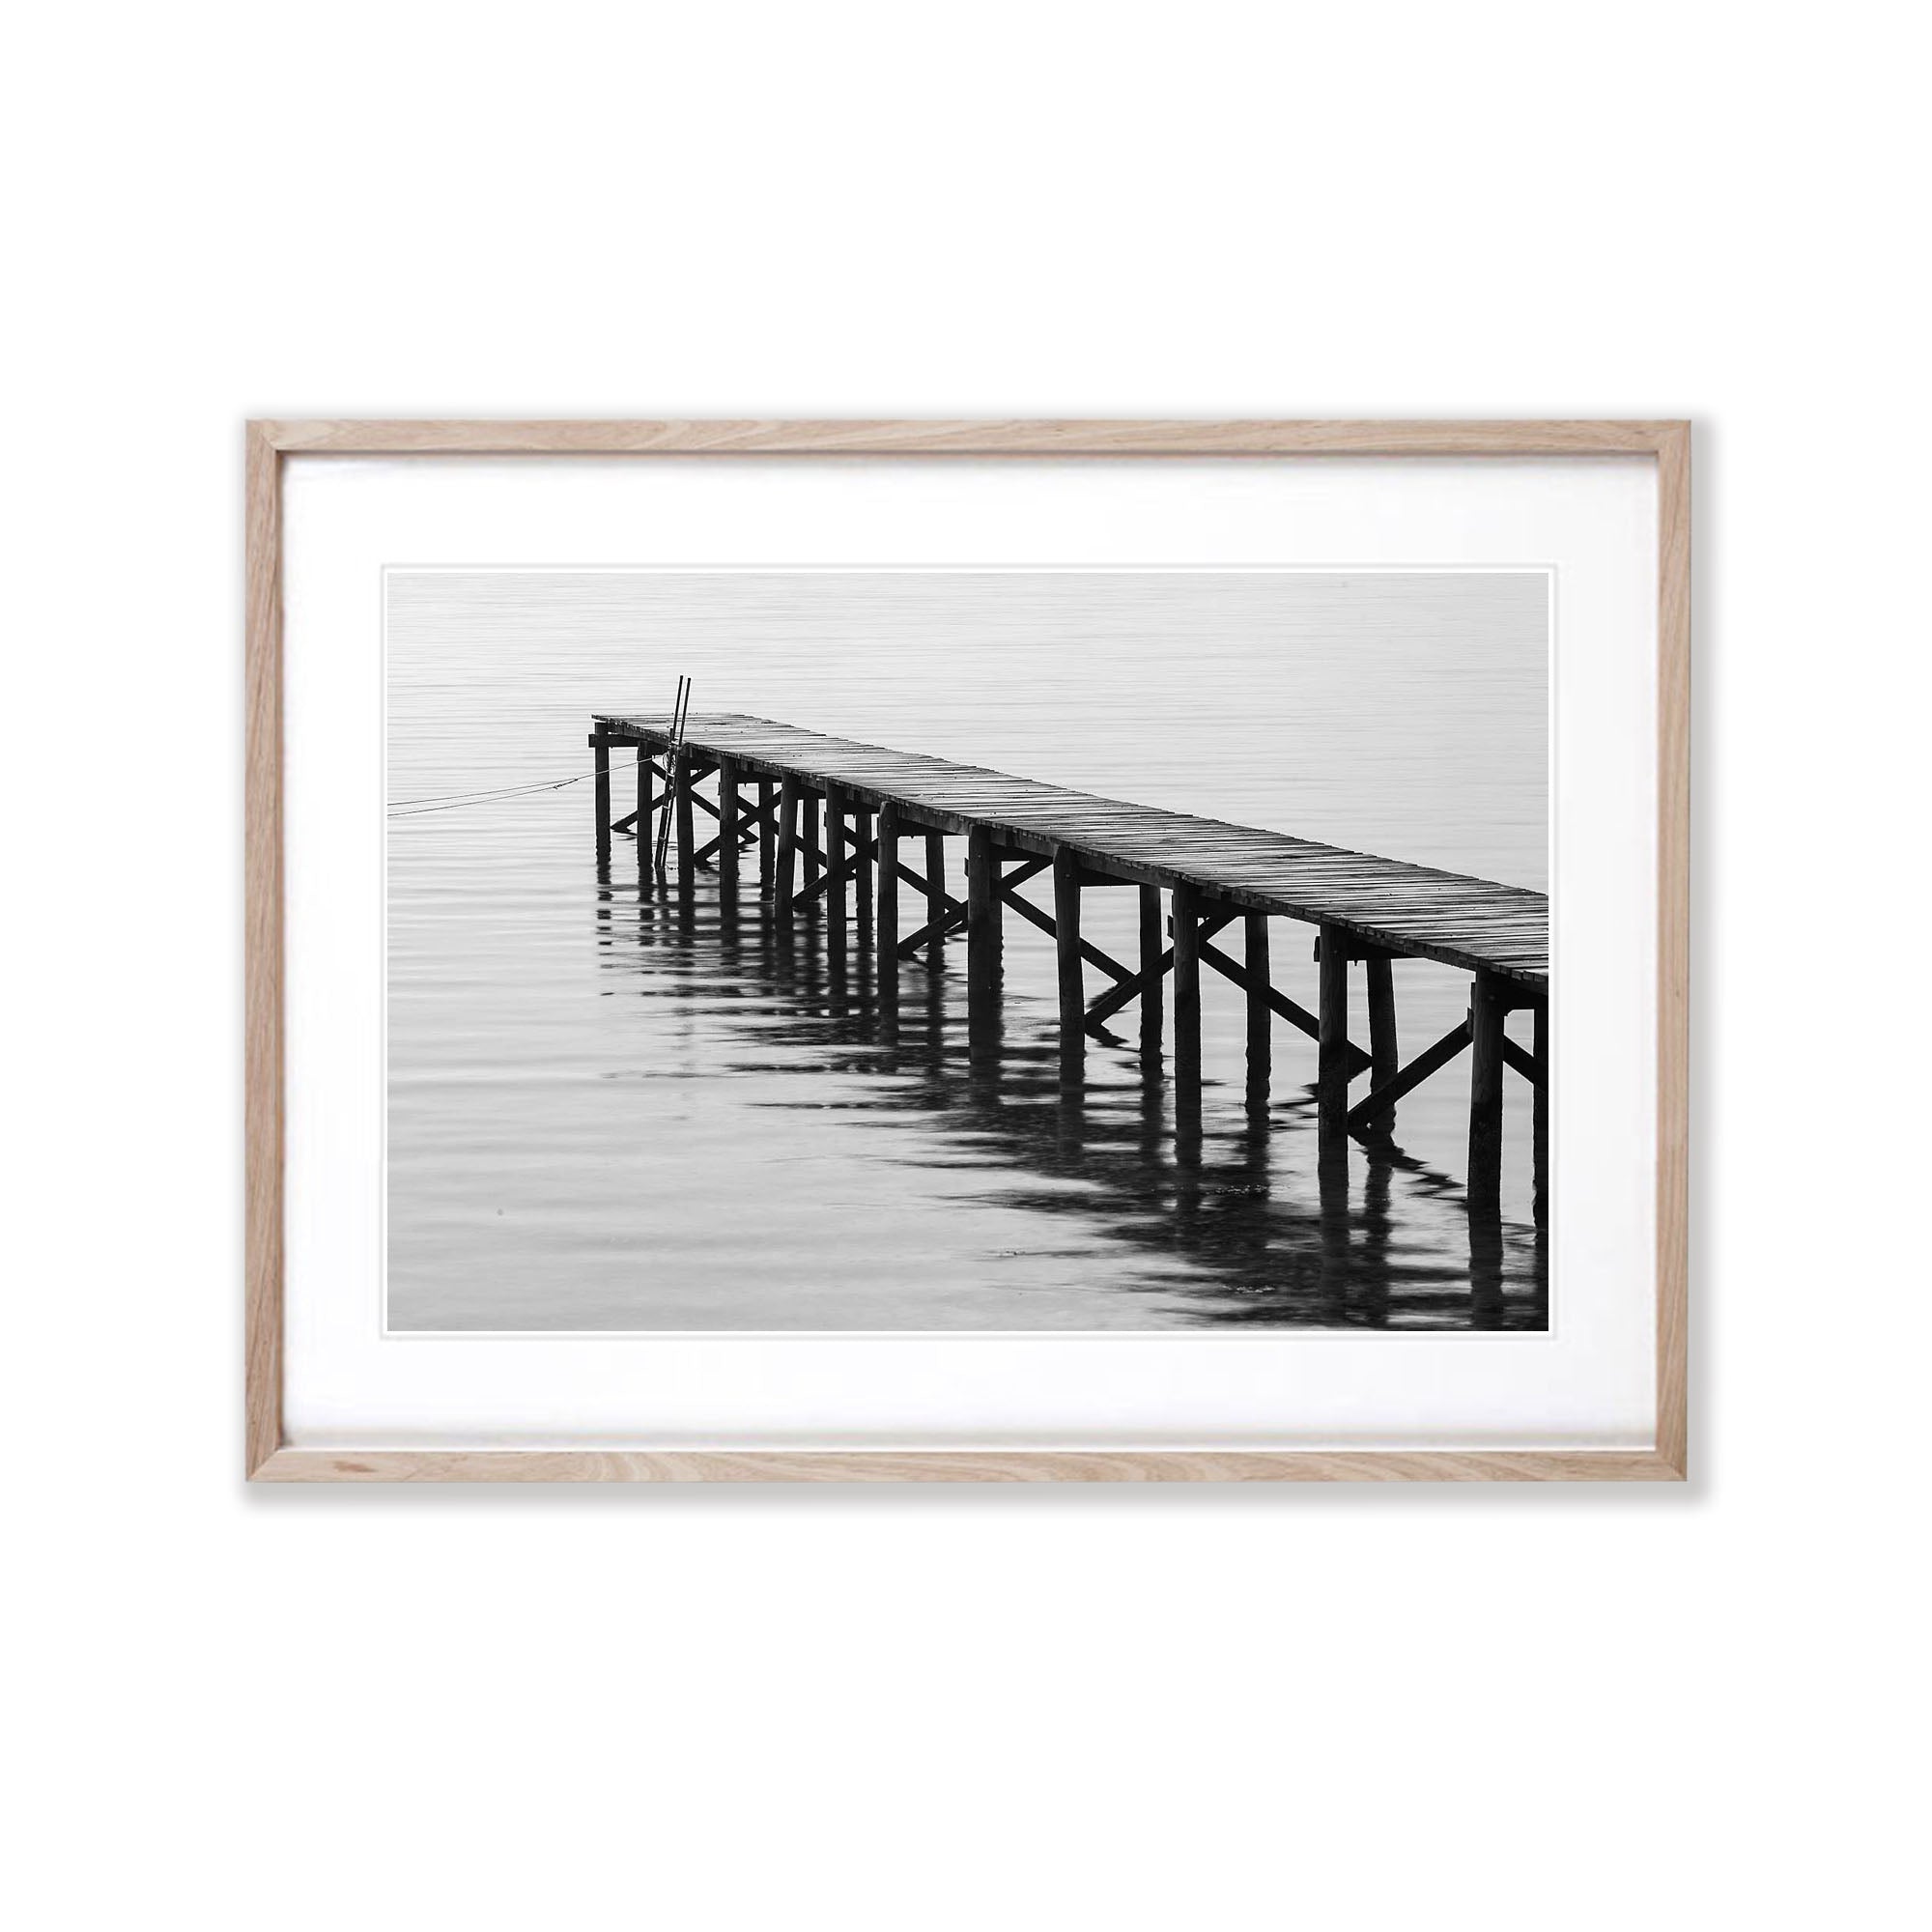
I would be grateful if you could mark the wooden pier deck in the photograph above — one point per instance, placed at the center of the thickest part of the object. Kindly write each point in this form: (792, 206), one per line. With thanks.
(778, 783)
(1411, 910)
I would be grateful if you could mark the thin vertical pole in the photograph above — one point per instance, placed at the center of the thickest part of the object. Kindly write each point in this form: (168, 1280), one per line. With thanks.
(1154, 973)
(768, 838)
(788, 852)
(601, 764)
(1067, 938)
(1384, 1050)
(808, 834)
(1485, 1096)
(982, 916)
(1331, 1054)
(889, 903)
(727, 824)
(1260, 1015)
(1187, 985)
(935, 897)
(1539, 1109)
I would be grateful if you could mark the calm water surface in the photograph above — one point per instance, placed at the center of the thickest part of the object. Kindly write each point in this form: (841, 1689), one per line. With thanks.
(613, 1106)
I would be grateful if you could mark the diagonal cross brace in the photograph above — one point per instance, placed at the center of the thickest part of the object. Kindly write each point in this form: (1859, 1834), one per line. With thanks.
(850, 870)
(1049, 925)
(1431, 1060)
(1230, 968)
(1127, 990)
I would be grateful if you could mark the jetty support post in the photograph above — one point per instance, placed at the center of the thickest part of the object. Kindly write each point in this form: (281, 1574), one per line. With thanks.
(809, 835)
(727, 824)
(687, 842)
(862, 828)
(1384, 1048)
(1539, 1109)
(768, 834)
(834, 870)
(888, 954)
(1488, 1002)
(935, 898)
(1261, 1014)
(1186, 990)
(1067, 939)
(641, 820)
(1153, 972)
(1331, 1054)
(787, 851)
(600, 762)
(984, 934)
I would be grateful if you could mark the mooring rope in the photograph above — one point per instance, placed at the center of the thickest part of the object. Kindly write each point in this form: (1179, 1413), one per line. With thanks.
(452, 801)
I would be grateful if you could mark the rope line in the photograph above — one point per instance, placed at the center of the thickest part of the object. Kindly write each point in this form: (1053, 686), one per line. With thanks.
(449, 801)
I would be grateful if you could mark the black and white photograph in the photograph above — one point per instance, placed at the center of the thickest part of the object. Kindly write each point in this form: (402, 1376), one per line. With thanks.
(967, 948)
(927, 968)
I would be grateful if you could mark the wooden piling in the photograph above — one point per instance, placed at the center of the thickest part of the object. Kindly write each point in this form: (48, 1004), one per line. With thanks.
(1153, 972)
(1478, 926)
(600, 762)
(1331, 1054)
(1067, 938)
(1261, 1014)
(727, 824)
(935, 898)
(787, 850)
(861, 828)
(889, 904)
(1540, 1110)
(1187, 985)
(983, 933)
(1384, 1049)
(687, 843)
(835, 903)
(1488, 1003)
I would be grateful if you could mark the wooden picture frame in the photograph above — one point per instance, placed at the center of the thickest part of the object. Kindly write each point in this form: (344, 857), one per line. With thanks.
(269, 1457)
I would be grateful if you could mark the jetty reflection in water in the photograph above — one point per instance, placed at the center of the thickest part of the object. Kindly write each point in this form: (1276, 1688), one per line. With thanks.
(1216, 1206)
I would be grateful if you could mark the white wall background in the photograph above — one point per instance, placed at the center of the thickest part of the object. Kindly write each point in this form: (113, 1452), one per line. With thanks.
(766, 1709)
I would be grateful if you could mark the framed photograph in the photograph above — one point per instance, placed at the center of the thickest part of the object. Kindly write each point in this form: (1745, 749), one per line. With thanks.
(953, 951)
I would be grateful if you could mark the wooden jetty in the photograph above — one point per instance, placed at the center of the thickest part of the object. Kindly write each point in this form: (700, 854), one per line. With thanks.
(830, 817)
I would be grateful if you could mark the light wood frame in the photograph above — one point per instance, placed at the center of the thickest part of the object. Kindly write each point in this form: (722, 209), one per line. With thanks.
(268, 1459)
